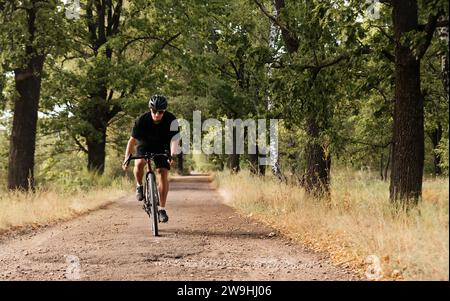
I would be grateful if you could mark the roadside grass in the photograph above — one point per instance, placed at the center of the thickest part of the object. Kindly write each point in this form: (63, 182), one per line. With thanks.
(68, 197)
(357, 226)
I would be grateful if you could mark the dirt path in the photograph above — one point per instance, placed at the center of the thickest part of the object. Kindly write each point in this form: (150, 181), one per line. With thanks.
(204, 240)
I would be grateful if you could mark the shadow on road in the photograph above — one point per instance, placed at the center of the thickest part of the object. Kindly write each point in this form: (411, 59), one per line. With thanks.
(224, 234)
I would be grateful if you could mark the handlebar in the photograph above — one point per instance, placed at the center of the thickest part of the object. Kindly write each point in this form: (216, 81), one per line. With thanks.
(147, 156)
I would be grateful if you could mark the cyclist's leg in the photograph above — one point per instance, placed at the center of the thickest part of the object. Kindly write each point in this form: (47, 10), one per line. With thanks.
(138, 170)
(163, 185)
(139, 165)
(162, 170)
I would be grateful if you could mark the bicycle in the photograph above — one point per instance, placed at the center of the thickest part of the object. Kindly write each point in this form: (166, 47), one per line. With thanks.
(151, 193)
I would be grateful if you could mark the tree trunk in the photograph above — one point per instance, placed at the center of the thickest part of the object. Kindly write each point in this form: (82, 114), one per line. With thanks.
(291, 42)
(317, 179)
(292, 156)
(408, 134)
(386, 168)
(255, 167)
(234, 158)
(443, 35)
(23, 134)
(233, 163)
(262, 167)
(253, 160)
(221, 165)
(382, 165)
(96, 146)
(99, 111)
(180, 163)
(436, 136)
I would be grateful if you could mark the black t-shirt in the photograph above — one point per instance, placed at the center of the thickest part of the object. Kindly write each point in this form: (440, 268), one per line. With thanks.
(154, 136)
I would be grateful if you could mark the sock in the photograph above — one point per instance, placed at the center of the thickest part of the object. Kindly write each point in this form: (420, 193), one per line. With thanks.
(137, 185)
(162, 208)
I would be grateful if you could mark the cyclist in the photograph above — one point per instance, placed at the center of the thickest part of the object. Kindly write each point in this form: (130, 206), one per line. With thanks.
(151, 134)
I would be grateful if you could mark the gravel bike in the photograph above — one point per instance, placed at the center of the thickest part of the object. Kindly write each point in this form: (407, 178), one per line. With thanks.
(151, 193)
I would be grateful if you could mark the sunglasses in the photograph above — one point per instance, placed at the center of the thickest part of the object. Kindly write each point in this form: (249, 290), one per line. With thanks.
(158, 112)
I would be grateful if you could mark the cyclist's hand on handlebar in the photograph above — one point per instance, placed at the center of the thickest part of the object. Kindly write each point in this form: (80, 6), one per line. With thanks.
(125, 163)
(172, 160)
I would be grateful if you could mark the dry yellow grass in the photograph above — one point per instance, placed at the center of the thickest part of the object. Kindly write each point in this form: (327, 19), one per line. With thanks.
(20, 210)
(357, 222)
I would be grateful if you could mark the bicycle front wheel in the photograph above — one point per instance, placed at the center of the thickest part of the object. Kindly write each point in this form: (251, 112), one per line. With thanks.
(153, 202)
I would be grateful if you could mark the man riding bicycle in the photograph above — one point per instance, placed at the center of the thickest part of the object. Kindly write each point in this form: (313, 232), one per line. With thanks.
(152, 134)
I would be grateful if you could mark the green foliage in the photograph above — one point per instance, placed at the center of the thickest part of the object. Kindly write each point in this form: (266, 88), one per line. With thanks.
(227, 59)
(442, 150)
(49, 38)
(62, 168)
(2, 87)
(3, 159)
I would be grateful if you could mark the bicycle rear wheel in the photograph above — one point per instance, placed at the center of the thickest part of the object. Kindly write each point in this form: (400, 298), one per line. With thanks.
(152, 196)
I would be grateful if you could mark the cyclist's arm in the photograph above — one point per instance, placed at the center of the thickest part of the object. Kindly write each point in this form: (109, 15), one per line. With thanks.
(130, 146)
(174, 148)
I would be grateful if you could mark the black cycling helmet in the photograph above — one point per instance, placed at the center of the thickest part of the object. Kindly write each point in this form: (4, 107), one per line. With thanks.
(157, 103)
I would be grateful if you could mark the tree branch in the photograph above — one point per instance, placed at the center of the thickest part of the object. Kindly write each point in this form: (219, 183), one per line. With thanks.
(354, 141)
(109, 13)
(135, 40)
(272, 18)
(386, 2)
(336, 60)
(225, 72)
(236, 71)
(110, 96)
(388, 55)
(91, 24)
(114, 111)
(381, 29)
(145, 38)
(82, 148)
(116, 18)
(429, 29)
(101, 38)
(167, 42)
(439, 24)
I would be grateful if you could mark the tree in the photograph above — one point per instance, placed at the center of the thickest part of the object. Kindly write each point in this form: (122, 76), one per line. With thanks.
(436, 97)
(226, 64)
(111, 71)
(412, 40)
(314, 45)
(30, 31)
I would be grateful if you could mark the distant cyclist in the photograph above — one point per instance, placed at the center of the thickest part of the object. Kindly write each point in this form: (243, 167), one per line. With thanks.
(151, 134)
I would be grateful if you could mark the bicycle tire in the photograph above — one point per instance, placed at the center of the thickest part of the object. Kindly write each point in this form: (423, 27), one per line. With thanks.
(156, 197)
(153, 202)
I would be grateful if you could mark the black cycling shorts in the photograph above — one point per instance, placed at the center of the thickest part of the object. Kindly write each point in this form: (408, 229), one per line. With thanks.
(160, 161)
